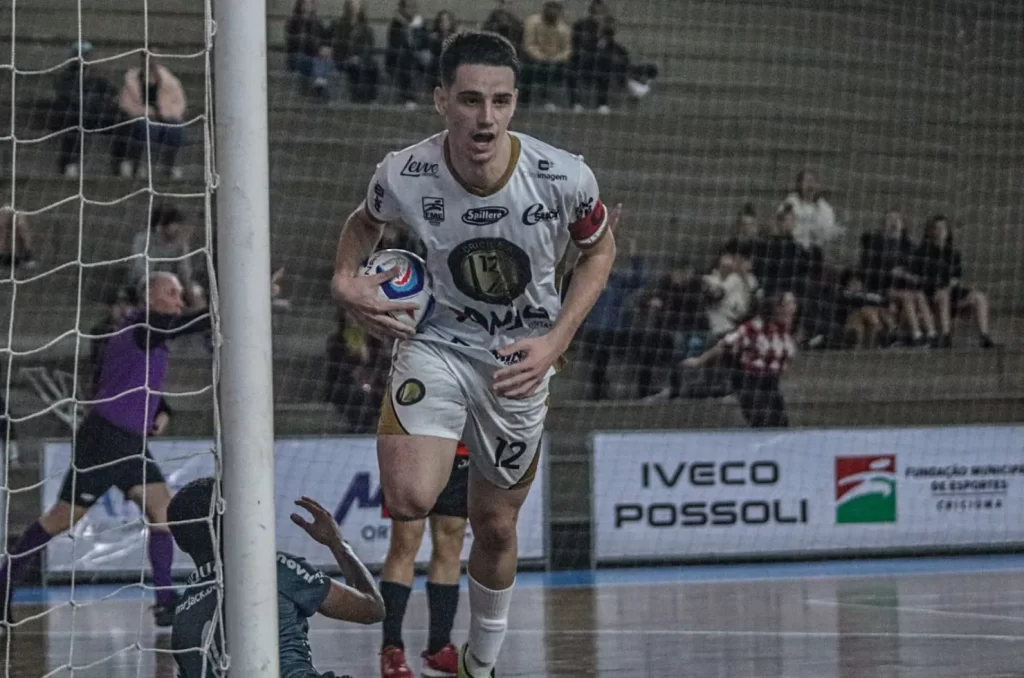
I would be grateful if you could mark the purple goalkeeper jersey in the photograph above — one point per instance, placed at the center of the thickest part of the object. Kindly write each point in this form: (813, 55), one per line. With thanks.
(123, 378)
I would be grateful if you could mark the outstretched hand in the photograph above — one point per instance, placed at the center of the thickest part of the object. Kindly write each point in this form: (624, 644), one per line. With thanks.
(323, 528)
(359, 295)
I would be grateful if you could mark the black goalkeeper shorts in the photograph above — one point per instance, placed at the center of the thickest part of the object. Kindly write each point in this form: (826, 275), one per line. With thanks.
(123, 459)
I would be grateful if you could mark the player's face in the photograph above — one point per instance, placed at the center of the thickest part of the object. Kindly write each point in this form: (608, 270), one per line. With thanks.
(165, 296)
(477, 109)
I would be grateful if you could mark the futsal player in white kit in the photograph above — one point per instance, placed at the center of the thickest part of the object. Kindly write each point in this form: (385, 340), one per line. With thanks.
(497, 212)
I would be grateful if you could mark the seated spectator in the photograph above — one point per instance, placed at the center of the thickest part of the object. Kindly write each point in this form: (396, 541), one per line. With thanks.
(154, 99)
(504, 22)
(307, 42)
(82, 96)
(168, 249)
(606, 329)
(407, 45)
(862, 314)
(940, 269)
(15, 240)
(815, 219)
(729, 290)
(547, 49)
(444, 25)
(762, 348)
(354, 46)
(668, 323)
(886, 258)
(748, 234)
(597, 59)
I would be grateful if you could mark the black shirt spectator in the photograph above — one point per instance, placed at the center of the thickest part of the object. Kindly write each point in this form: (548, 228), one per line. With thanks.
(502, 21)
(407, 38)
(305, 33)
(354, 45)
(81, 93)
(883, 257)
(444, 26)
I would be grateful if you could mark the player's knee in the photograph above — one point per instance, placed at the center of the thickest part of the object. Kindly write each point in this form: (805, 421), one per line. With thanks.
(495, 534)
(405, 540)
(448, 538)
(409, 508)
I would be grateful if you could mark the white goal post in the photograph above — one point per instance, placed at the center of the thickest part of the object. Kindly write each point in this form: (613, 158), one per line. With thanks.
(245, 389)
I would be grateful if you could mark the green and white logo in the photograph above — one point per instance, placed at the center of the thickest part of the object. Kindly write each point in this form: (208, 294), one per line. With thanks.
(866, 489)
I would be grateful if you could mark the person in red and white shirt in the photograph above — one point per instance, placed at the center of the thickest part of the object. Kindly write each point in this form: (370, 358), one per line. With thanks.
(762, 349)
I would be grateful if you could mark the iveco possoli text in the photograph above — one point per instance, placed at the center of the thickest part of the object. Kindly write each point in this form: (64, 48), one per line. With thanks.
(691, 480)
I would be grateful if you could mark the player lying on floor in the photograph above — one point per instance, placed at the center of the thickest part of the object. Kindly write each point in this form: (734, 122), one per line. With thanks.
(302, 590)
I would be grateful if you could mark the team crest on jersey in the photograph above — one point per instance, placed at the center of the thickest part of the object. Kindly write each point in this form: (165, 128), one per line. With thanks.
(491, 270)
(410, 392)
(433, 210)
(484, 216)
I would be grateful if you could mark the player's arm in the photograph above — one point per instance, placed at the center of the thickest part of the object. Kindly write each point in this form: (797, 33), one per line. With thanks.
(592, 233)
(359, 235)
(588, 280)
(359, 601)
(163, 327)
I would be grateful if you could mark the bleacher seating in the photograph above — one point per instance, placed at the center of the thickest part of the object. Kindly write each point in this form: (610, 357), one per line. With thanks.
(881, 100)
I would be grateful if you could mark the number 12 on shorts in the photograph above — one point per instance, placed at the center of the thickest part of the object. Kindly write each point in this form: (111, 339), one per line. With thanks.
(513, 450)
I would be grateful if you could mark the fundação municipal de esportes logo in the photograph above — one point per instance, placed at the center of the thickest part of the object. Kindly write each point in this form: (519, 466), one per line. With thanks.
(866, 489)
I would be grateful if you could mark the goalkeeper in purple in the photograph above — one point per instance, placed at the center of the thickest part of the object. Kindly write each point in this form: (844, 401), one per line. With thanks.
(113, 438)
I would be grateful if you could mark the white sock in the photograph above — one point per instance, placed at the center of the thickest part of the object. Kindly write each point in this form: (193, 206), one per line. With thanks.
(488, 620)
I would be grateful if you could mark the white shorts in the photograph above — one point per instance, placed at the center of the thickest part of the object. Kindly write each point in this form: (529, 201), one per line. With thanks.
(437, 391)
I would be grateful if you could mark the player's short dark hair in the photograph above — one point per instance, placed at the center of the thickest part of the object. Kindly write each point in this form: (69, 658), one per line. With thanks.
(188, 515)
(476, 48)
(164, 214)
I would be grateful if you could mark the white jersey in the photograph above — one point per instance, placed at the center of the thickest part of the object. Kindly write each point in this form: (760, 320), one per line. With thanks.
(493, 256)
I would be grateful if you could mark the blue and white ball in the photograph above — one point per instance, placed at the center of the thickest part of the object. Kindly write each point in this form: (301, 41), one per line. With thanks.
(413, 283)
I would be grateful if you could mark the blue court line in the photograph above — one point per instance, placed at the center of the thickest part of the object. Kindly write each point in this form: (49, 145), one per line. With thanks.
(646, 576)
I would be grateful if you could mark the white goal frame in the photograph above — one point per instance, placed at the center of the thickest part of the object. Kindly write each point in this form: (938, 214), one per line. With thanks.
(244, 376)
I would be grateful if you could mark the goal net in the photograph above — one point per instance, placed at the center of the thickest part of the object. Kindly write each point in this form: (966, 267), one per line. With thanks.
(903, 429)
(106, 144)
(885, 107)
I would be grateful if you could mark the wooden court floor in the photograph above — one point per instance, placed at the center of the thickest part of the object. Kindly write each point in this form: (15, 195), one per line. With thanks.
(927, 625)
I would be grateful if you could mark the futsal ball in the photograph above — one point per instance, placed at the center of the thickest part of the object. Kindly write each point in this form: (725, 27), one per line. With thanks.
(411, 284)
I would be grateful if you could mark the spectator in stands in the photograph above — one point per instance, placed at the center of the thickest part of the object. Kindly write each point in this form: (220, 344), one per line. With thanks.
(504, 22)
(763, 348)
(783, 264)
(547, 50)
(861, 313)
(407, 53)
(354, 46)
(669, 324)
(153, 98)
(308, 45)
(606, 331)
(597, 59)
(15, 240)
(168, 248)
(357, 369)
(886, 257)
(444, 25)
(815, 219)
(747, 240)
(939, 266)
(729, 292)
(82, 96)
